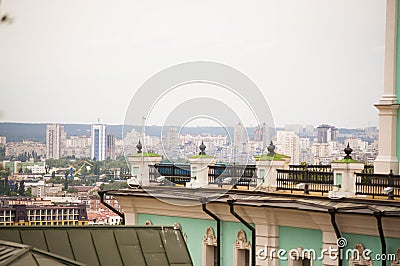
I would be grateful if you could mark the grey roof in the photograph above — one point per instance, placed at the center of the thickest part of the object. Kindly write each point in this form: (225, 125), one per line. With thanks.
(106, 245)
(18, 254)
(268, 199)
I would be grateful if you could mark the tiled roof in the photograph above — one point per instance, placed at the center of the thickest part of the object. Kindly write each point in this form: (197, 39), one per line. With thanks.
(106, 245)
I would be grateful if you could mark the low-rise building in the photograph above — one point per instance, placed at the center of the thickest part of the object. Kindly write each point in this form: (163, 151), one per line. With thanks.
(22, 214)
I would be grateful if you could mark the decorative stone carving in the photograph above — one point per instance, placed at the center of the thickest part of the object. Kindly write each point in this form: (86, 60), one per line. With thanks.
(397, 261)
(359, 260)
(241, 241)
(210, 239)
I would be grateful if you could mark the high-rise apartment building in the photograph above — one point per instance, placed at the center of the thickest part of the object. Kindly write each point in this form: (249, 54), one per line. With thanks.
(54, 137)
(99, 142)
(110, 147)
(326, 133)
(288, 143)
(264, 134)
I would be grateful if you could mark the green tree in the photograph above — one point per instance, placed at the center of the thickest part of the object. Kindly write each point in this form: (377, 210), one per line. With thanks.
(16, 187)
(21, 189)
(28, 192)
(113, 186)
(3, 174)
(66, 181)
(7, 186)
(2, 152)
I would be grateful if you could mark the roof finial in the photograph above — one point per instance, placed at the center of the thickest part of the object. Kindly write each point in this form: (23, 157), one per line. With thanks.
(348, 151)
(139, 147)
(202, 148)
(271, 149)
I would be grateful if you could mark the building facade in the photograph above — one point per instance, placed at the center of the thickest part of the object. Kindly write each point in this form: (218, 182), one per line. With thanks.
(99, 133)
(54, 135)
(110, 147)
(42, 215)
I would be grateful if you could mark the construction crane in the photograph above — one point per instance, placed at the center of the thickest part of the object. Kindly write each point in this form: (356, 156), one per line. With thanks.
(76, 168)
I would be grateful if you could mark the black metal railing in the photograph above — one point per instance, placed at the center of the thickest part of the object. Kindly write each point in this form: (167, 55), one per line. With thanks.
(304, 180)
(368, 169)
(311, 167)
(378, 185)
(235, 175)
(175, 173)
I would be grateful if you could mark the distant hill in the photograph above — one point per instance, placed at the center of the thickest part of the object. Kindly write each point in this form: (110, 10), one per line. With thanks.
(37, 132)
(23, 131)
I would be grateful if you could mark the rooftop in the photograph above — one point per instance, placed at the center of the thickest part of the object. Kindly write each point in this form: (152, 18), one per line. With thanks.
(269, 199)
(103, 245)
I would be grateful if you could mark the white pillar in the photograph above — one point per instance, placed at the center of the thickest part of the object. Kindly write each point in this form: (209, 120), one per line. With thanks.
(387, 155)
(345, 176)
(139, 164)
(199, 169)
(388, 107)
(267, 170)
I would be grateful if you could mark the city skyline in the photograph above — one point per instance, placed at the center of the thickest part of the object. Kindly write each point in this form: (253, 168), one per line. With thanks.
(290, 50)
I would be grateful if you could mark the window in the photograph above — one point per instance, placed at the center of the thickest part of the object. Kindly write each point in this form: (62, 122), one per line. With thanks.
(194, 172)
(261, 174)
(338, 179)
(242, 248)
(209, 248)
(135, 170)
(300, 257)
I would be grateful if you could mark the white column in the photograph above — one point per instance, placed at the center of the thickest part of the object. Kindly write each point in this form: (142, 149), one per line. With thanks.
(389, 90)
(387, 155)
(139, 164)
(329, 239)
(347, 171)
(269, 170)
(199, 170)
(388, 107)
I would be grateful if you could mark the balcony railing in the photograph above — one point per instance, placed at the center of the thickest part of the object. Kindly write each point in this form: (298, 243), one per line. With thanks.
(311, 167)
(235, 175)
(304, 180)
(175, 173)
(378, 185)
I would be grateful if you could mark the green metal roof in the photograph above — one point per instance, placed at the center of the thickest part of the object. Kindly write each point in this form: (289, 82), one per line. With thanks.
(106, 245)
(17, 254)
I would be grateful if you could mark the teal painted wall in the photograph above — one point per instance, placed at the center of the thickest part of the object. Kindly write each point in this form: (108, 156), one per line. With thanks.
(292, 238)
(371, 242)
(229, 234)
(196, 229)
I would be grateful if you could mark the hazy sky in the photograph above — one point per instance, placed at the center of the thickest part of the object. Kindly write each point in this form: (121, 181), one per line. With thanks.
(315, 61)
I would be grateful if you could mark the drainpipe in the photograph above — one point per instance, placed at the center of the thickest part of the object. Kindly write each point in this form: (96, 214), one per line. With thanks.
(332, 212)
(215, 217)
(251, 228)
(378, 216)
(101, 194)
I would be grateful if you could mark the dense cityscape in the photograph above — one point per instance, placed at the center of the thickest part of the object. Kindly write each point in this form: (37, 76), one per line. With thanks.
(72, 169)
(88, 176)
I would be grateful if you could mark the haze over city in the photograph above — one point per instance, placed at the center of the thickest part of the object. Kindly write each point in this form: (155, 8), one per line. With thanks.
(74, 62)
